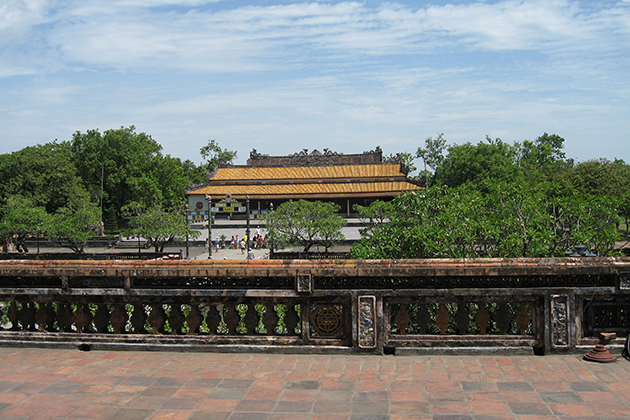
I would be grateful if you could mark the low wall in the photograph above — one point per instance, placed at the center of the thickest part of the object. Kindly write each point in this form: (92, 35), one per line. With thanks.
(345, 306)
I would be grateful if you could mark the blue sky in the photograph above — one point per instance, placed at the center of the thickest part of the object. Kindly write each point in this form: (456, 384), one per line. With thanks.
(280, 76)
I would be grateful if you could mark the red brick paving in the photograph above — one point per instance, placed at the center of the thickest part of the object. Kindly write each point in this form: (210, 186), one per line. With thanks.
(99, 385)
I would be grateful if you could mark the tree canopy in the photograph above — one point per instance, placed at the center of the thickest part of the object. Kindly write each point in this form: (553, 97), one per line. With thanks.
(305, 223)
(45, 174)
(74, 225)
(127, 167)
(509, 220)
(158, 226)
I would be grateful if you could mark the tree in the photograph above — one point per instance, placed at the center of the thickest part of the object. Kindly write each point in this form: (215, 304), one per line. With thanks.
(479, 165)
(215, 155)
(305, 223)
(20, 220)
(405, 159)
(508, 220)
(543, 159)
(433, 155)
(45, 174)
(121, 166)
(74, 225)
(602, 177)
(157, 226)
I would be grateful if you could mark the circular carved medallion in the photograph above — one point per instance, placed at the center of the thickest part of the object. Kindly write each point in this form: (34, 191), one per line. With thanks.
(327, 320)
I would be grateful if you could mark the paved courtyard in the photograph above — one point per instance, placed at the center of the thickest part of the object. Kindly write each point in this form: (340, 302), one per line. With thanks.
(54, 384)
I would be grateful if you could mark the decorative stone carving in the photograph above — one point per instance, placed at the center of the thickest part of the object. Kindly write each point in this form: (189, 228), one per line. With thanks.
(442, 318)
(194, 319)
(156, 318)
(482, 319)
(281, 327)
(327, 320)
(222, 328)
(522, 319)
(559, 321)
(298, 326)
(176, 319)
(118, 318)
(304, 283)
(402, 319)
(367, 321)
(241, 309)
(261, 310)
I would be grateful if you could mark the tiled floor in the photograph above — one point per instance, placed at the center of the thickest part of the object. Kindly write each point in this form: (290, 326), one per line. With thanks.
(47, 384)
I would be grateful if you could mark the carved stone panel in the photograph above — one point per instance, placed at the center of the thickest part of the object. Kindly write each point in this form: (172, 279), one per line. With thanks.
(327, 320)
(304, 283)
(559, 321)
(367, 321)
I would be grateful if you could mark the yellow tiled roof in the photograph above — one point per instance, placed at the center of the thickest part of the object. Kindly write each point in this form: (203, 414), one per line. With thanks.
(242, 173)
(308, 190)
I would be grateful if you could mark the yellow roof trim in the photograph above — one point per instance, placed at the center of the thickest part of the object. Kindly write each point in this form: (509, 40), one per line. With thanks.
(249, 173)
(308, 190)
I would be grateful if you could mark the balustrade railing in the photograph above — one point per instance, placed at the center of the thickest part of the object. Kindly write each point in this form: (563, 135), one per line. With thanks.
(544, 305)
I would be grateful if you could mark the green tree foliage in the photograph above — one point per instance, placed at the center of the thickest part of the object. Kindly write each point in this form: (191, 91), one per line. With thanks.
(543, 159)
(129, 167)
(479, 165)
(20, 220)
(74, 225)
(158, 226)
(214, 155)
(509, 220)
(492, 161)
(602, 177)
(45, 174)
(305, 223)
(432, 155)
(406, 159)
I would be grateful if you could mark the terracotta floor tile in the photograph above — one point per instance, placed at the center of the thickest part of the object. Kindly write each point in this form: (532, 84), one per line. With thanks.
(371, 386)
(440, 407)
(170, 415)
(218, 405)
(255, 406)
(571, 409)
(92, 412)
(474, 396)
(409, 407)
(488, 408)
(399, 396)
(332, 406)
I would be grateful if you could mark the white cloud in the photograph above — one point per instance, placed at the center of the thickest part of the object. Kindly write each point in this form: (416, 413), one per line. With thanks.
(17, 17)
(343, 75)
(127, 35)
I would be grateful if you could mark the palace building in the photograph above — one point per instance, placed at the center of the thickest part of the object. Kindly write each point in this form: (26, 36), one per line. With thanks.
(268, 181)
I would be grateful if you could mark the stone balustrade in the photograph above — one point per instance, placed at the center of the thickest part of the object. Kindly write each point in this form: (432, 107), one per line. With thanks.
(344, 306)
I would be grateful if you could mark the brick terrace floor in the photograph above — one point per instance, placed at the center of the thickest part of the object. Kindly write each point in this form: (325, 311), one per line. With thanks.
(53, 384)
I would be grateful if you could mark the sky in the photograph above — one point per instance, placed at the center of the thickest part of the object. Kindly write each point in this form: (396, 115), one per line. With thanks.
(281, 76)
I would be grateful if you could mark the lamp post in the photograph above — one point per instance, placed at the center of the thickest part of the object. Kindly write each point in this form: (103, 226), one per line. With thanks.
(186, 221)
(247, 229)
(209, 200)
